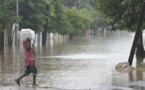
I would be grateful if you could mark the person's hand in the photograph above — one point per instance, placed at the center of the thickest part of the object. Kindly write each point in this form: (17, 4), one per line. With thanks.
(33, 42)
(28, 39)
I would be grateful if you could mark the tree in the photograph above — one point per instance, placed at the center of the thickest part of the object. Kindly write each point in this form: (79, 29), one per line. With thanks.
(58, 22)
(48, 12)
(35, 15)
(32, 14)
(7, 18)
(98, 20)
(79, 19)
(61, 20)
(7, 14)
(123, 15)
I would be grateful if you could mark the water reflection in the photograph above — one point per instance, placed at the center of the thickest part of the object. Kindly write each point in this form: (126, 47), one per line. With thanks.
(139, 73)
(88, 63)
(135, 77)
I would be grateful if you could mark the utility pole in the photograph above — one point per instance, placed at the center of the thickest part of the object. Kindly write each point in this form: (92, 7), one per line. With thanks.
(138, 32)
(17, 25)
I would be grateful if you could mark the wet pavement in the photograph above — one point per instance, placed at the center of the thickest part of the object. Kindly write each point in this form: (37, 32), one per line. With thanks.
(84, 64)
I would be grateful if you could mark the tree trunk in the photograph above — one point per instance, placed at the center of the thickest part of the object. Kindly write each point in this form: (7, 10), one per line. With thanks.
(1, 41)
(44, 36)
(10, 41)
(140, 47)
(137, 35)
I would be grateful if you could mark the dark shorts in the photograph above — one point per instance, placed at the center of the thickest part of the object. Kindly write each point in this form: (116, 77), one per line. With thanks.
(30, 69)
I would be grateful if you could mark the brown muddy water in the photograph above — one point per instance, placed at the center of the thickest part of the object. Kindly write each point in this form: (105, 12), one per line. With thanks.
(84, 64)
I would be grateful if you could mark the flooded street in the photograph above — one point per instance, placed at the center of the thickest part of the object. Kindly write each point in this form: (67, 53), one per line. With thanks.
(84, 64)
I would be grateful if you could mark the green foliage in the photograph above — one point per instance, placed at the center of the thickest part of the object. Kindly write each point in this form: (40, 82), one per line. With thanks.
(72, 3)
(79, 19)
(32, 14)
(56, 19)
(7, 14)
(123, 14)
(62, 16)
(98, 20)
(68, 20)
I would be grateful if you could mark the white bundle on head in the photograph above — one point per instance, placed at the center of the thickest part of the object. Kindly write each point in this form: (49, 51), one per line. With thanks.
(27, 33)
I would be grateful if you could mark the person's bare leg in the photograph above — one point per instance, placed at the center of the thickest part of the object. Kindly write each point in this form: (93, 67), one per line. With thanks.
(18, 80)
(34, 81)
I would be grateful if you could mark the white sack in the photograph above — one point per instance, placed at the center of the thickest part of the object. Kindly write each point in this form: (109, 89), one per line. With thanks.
(27, 33)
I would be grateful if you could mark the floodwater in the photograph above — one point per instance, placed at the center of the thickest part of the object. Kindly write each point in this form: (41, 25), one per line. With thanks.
(79, 64)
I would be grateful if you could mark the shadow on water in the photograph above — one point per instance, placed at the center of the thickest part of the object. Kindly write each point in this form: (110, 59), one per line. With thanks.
(87, 63)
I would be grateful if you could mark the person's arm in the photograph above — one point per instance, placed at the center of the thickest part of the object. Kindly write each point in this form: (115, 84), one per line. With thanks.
(27, 45)
(33, 49)
(33, 42)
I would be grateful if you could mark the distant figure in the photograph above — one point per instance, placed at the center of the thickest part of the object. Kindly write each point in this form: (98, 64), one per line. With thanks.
(29, 55)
